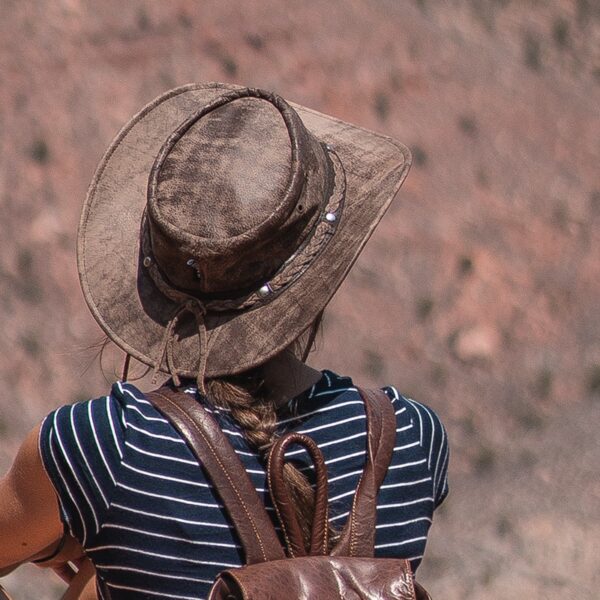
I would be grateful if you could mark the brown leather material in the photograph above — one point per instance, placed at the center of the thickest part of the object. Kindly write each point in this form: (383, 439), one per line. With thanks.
(216, 455)
(316, 577)
(356, 576)
(243, 246)
(284, 503)
(421, 593)
(230, 196)
(83, 584)
(358, 536)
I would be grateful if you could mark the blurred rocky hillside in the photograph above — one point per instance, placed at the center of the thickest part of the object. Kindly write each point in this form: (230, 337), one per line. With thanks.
(478, 294)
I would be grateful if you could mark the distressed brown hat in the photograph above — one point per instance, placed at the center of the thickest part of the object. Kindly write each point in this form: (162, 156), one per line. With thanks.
(221, 221)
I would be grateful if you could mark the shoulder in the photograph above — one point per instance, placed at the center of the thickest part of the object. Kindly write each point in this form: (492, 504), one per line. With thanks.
(89, 419)
(82, 447)
(96, 428)
(429, 431)
(425, 418)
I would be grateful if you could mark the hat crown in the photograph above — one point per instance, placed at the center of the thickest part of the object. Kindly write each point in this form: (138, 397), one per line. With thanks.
(229, 171)
(233, 193)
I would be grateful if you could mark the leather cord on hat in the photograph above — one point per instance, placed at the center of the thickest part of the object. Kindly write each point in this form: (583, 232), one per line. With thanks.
(125, 373)
(198, 310)
(186, 303)
(314, 329)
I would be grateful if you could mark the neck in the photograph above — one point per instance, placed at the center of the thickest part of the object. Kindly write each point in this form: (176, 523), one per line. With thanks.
(286, 377)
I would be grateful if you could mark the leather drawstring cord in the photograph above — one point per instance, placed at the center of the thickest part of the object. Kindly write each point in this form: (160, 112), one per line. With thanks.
(198, 310)
(314, 329)
(126, 364)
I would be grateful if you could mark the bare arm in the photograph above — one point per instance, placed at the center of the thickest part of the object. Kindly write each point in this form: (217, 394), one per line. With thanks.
(29, 515)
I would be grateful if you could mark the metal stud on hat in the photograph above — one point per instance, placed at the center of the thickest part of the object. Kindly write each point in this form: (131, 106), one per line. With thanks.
(264, 290)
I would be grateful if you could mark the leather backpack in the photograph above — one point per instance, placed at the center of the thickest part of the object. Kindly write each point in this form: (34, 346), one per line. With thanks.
(350, 571)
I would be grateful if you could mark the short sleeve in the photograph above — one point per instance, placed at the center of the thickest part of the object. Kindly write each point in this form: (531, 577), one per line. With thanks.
(434, 441)
(81, 449)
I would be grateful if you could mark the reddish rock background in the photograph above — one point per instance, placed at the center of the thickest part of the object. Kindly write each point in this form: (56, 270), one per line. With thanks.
(477, 295)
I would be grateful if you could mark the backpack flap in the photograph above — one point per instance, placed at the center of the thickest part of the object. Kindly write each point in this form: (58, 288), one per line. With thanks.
(312, 577)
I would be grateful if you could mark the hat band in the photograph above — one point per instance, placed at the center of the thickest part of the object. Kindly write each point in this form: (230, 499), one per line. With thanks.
(324, 228)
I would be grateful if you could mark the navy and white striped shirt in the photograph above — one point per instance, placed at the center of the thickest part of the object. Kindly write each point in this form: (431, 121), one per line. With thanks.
(133, 494)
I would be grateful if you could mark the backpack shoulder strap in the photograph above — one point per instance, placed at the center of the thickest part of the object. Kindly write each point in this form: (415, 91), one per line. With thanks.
(214, 452)
(358, 536)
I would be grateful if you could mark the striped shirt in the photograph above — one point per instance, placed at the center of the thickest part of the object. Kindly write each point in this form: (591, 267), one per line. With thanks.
(132, 492)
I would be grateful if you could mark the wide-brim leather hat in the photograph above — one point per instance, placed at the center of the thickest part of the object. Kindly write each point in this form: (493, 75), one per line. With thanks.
(222, 220)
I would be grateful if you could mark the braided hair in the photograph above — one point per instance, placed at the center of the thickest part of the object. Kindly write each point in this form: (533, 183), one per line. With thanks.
(247, 397)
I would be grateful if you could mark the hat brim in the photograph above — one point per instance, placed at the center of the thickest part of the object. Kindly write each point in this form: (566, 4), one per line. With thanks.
(123, 298)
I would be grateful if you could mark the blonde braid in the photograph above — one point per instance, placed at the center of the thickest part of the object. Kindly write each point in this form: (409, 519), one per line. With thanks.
(245, 396)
